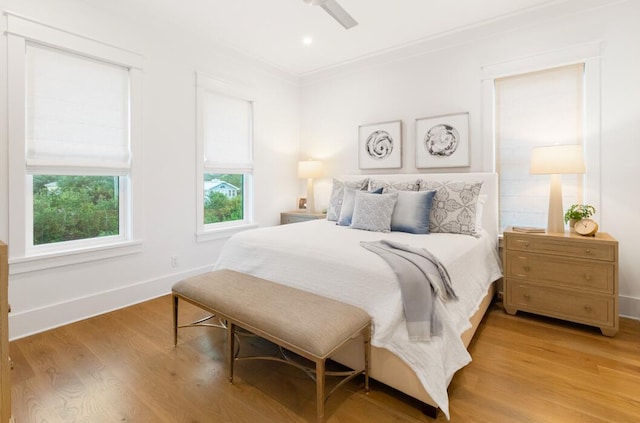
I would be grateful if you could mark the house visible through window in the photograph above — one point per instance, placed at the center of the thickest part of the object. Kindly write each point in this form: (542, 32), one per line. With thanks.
(536, 109)
(223, 200)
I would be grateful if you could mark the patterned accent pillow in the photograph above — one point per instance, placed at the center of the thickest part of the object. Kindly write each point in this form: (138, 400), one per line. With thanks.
(398, 186)
(454, 206)
(348, 202)
(372, 212)
(337, 195)
(412, 211)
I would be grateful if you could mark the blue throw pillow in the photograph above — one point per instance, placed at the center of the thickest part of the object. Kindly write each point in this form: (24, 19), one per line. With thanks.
(412, 211)
(348, 203)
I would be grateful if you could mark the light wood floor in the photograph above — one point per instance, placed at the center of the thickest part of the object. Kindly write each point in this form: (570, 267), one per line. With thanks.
(122, 367)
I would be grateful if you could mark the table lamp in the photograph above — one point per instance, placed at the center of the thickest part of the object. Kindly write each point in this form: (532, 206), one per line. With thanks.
(555, 160)
(310, 169)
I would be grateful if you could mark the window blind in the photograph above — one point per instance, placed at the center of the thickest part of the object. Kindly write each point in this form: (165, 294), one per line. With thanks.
(77, 114)
(531, 110)
(227, 134)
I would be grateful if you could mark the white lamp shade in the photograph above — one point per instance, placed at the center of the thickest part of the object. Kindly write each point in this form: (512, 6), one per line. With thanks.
(557, 159)
(310, 169)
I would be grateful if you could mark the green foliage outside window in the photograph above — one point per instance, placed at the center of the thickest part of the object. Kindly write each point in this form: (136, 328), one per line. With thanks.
(67, 208)
(219, 207)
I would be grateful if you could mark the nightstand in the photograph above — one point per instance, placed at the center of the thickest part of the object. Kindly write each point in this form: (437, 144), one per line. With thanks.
(563, 275)
(296, 216)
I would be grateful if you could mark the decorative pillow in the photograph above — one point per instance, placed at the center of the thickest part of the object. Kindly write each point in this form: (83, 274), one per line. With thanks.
(412, 210)
(348, 202)
(412, 185)
(337, 195)
(373, 212)
(454, 206)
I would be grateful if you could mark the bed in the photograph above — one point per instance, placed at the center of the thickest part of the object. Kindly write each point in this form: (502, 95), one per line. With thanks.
(327, 259)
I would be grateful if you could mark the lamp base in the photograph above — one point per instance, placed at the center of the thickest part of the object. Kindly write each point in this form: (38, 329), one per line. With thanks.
(555, 219)
(311, 205)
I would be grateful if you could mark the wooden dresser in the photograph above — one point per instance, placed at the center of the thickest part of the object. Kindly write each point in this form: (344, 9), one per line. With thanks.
(563, 275)
(296, 216)
(5, 366)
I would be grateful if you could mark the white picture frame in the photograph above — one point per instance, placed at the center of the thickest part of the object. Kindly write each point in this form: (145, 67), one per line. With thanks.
(380, 145)
(442, 141)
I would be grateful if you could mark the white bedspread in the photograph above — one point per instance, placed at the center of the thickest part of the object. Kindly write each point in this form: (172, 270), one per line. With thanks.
(321, 257)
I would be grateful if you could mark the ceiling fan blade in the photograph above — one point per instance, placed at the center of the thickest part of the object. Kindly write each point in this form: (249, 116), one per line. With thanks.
(339, 14)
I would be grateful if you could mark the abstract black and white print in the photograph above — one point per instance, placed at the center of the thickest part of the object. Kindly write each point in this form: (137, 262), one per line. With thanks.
(442, 141)
(380, 145)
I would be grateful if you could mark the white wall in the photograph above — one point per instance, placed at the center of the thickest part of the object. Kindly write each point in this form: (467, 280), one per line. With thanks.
(445, 76)
(52, 297)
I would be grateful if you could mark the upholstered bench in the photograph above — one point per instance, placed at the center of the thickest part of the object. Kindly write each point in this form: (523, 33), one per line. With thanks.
(312, 326)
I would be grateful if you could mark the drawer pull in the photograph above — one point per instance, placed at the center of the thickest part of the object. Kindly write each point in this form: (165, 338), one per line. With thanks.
(587, 309)
(526, 296)
(587, 277)
(587, 251)
(526, 268)
(525, 243)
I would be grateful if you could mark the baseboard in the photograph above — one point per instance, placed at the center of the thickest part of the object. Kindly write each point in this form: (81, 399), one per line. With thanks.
(629, 307)
(29, 322)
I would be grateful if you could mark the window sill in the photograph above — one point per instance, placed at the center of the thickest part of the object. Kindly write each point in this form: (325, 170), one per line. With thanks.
(66, 258)
(221, 233)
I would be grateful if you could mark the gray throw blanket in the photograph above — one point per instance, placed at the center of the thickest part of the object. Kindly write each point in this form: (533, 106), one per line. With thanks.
(421, 277)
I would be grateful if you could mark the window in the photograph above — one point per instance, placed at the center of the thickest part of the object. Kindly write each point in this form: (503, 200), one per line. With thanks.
(536, 109)
(541, 99)
(73, 146)
(225, 161)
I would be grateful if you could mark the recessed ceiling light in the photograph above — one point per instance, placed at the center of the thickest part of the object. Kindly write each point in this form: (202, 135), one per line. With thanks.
(307, 41)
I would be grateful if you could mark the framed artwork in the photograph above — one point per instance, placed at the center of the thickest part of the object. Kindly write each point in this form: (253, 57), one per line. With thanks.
(380, 145)
(302, 203)
(442, 141)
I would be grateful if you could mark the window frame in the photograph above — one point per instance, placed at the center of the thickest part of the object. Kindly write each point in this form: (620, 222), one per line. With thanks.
(24, 257)
(212, 231)
(590, 55)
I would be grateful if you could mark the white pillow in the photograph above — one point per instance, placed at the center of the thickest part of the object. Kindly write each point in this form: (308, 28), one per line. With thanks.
(482, 199)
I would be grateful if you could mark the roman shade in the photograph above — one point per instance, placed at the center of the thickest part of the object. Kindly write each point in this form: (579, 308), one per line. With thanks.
(77, 114)
(227, 133)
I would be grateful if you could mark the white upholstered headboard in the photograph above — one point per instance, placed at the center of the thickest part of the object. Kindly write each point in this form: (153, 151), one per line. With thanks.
(489, 187)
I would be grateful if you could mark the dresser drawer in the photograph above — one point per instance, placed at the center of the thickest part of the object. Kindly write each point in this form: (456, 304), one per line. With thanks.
(295, 217)
(564, 304)
(564, 272)
(292, 218)
(562, 247)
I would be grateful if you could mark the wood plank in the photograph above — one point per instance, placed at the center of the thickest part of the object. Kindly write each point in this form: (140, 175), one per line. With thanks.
(122, 366)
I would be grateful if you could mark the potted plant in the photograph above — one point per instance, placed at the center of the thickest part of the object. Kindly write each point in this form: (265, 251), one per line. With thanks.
(577, 212)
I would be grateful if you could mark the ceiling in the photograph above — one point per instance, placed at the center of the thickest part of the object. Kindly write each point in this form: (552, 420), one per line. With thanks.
(273, 30)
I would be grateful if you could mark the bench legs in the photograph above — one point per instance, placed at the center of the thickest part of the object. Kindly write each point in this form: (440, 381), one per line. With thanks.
(175, 320)
(231, 339)
(367, 356)
(320, 399)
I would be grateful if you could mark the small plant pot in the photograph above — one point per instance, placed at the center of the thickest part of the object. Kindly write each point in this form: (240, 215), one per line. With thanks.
(572, 224)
